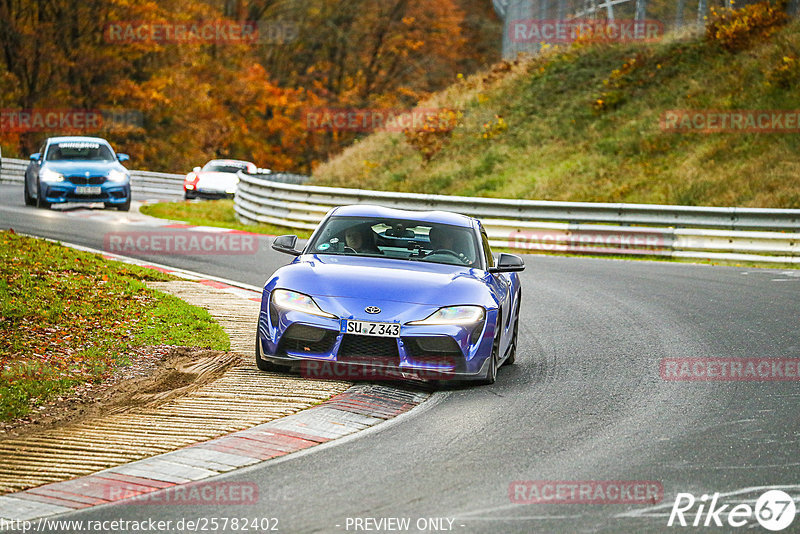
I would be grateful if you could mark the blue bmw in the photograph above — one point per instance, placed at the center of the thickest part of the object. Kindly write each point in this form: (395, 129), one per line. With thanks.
(409, 294)
(77, 169)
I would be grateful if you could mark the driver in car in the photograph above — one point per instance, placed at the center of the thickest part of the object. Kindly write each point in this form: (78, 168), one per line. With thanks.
(441, 239)
(361, 240)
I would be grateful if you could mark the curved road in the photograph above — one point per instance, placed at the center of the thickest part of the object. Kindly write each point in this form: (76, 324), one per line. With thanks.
(585, 402)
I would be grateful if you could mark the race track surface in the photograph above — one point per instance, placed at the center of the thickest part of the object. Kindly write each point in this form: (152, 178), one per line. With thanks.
(584, 402)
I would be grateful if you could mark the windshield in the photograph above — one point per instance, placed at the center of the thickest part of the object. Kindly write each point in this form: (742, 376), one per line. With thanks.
(79, 151)
(397, 239)
(231, 168)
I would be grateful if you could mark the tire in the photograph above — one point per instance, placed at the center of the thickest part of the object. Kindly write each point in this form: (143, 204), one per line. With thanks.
(40, 202)
(29, 200)
(264, 365)
(126, 206)
(491, 371)
(512, 354)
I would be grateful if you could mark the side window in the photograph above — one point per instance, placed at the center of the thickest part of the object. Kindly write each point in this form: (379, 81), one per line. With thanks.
(41, 151)
(487, 250)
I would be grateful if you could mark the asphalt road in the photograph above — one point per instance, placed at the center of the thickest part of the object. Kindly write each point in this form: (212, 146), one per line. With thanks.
(585, 402)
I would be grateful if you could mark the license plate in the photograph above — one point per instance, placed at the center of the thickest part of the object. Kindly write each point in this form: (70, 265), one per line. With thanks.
(85, 190)
(366, 328)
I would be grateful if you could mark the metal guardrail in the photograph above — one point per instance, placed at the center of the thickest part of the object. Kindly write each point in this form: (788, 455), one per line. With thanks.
(153, 184)
(569, 227)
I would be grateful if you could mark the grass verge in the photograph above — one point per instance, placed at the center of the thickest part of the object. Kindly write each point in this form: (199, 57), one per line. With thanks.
(68, 318)
(218, 213)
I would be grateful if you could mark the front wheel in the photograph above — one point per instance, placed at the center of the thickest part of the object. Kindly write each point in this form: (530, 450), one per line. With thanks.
(29, 200)
(126, 206)
(512, 353)
(491, 371)
(40, 201)
(264, 365)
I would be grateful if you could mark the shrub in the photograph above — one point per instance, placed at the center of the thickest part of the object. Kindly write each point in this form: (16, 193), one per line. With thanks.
(737, 29)
(786, 74)
(434, 134)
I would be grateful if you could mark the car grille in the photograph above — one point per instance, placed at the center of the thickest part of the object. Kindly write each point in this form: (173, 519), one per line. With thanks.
(307, 339)
(83, 180)
(369, 349)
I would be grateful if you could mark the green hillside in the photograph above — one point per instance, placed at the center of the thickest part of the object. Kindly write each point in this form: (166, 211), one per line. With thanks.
(582, 124)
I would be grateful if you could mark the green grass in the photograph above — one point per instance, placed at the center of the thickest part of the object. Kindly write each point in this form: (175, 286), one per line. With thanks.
(583, 125)
(70, 317)
(217, 213)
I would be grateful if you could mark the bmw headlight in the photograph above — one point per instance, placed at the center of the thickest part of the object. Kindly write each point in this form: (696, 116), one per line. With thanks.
(117, 176)
(292, 300)
(460, 315)
(51, 176)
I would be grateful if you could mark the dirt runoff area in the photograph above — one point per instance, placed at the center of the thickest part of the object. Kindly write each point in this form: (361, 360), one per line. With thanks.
(156, 375)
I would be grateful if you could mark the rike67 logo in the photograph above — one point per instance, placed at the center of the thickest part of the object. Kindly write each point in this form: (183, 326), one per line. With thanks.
(774, 510)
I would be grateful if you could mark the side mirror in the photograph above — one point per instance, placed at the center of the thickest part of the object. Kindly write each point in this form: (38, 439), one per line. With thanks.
(196, 169)
(35, 157)
(286, 244)
(508, 263)
(123, 157)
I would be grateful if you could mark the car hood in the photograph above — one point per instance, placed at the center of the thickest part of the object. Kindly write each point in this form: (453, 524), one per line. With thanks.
(354, 282)
(94, 168)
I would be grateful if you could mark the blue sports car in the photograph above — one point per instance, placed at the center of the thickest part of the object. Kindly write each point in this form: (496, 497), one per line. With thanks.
(77, 169)
(384, 293)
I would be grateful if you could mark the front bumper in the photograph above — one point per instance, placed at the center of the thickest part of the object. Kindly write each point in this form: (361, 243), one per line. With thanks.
(317, 348)
(324, 368)
(208, 194)
(63, 192)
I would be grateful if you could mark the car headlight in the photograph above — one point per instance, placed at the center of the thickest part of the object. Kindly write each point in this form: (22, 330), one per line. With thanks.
(117, 176)
(292, 300)
(51, 176)
(464, 315)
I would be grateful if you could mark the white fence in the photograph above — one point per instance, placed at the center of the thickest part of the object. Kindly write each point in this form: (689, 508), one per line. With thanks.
(739, 234)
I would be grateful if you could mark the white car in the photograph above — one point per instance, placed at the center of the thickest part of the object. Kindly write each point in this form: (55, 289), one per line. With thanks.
(217, 179)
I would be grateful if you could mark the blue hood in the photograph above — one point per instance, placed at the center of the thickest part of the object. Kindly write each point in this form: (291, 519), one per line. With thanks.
(380, 280)
(78, 167)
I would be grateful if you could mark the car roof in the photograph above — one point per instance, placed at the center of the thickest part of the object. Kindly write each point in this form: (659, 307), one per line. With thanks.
(77, 138)
(229, 161)
(368, 210)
